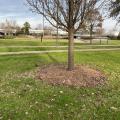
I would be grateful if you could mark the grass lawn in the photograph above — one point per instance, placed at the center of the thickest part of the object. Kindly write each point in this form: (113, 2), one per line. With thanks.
(46, 42)
(26, 98)
(17, 45)
(18, 49)
(30, 42)
(24, 48)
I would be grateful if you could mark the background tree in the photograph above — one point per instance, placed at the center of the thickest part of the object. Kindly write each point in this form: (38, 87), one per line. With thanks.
(93, 22)
(26, 28)
(39, 27)
(9, 26)
(115, 9)
(48, 30)
(118, 36)
(72, 14)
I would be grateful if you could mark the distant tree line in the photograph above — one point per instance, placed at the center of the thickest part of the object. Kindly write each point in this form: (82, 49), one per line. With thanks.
(10, 27)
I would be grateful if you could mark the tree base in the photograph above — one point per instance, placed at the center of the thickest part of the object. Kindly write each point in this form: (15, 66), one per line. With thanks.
(81, 76)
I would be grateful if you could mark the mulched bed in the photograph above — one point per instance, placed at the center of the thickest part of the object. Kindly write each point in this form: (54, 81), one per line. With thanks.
(81, 76)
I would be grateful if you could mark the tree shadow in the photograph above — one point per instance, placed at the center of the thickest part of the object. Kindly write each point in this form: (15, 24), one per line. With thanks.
(54, 60)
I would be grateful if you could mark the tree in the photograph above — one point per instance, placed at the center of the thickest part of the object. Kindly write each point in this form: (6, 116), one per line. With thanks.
(115, 9)
(118, 36)
(9, 26)
(94, 21)
(48, 30)
(26, 28)
(72, 14)
(39, 27)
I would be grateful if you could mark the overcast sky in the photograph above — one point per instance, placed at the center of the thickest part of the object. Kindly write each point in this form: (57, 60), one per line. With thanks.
(16, 10)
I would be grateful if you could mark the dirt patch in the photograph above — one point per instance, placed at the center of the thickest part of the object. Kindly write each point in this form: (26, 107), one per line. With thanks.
(81, 76)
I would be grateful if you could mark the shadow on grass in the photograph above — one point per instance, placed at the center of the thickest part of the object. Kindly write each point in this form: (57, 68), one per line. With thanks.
(53, 59)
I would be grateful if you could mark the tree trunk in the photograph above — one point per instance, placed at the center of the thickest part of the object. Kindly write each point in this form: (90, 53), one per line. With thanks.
(100, 41)
(71, 36)
(91, 39)
(91, 31)
(107, 41)
(71, 50)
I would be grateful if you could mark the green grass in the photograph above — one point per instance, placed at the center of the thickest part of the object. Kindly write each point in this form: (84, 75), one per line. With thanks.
(30, 42)
(25, 98)
(46, 42)
(15, 45)
(18, 49)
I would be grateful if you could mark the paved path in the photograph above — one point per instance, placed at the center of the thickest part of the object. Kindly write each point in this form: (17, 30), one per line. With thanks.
(56, 51)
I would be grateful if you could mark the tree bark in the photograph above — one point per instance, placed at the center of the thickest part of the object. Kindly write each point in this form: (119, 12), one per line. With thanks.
(91, 31)
(71, 50)
(71, 36)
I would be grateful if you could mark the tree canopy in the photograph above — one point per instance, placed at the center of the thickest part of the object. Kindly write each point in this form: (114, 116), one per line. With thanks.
(68, 14)
(26, 28)
(115, 9)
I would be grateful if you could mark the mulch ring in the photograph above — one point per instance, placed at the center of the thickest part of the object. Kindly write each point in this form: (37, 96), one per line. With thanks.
(81, 76)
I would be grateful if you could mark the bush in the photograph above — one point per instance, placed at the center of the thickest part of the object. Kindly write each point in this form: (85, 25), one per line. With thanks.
(8, 37)
(1, 36)
(118, 37)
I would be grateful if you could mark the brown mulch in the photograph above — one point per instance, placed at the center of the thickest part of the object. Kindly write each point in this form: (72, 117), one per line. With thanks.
(81, 76)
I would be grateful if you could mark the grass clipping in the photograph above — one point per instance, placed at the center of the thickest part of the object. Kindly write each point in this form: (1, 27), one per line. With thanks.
(81, 76)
